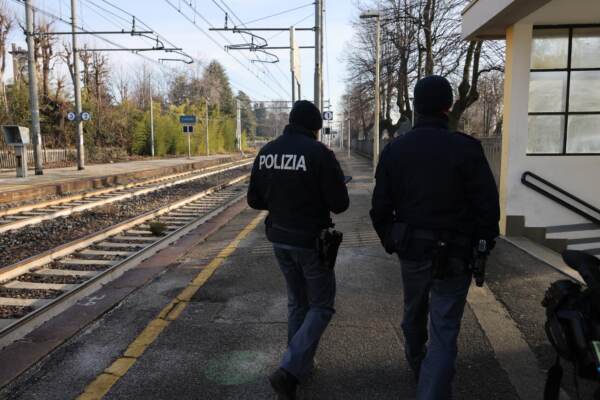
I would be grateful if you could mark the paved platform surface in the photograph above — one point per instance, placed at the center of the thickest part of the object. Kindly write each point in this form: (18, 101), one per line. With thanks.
(8, 181)
(231, 333)
(98, 174)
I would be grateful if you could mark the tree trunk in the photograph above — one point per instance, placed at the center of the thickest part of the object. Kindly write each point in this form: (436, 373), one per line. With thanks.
(428, 17)
(467, 90)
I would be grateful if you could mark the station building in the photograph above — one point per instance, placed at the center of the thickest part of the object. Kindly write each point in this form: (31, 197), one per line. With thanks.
(551, 116)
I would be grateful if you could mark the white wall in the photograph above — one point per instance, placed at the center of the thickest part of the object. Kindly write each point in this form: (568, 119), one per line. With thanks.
(566, 12)
(579, 175)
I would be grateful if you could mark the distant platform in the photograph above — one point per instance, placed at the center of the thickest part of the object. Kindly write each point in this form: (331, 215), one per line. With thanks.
(59, 181)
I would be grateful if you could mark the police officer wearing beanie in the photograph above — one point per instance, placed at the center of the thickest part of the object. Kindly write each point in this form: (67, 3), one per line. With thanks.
(300, 182)
(435, 198)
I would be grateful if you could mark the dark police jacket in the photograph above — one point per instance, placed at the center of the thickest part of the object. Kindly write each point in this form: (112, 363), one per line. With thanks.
(438, 180)
(299, 181)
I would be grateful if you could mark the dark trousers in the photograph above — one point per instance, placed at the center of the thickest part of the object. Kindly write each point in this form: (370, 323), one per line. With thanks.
(444, 302)
(311, 295)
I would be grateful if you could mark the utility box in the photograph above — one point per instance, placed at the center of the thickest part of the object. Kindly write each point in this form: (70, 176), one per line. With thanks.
(18, 137)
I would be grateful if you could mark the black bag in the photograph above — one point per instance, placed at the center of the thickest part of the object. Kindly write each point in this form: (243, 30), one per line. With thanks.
(328, 245)
(398, 238)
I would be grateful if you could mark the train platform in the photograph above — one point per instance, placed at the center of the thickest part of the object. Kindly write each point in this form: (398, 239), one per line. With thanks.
(59, 181)
(209, 321)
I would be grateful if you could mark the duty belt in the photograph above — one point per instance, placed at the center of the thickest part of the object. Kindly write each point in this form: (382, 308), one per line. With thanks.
(434, 236)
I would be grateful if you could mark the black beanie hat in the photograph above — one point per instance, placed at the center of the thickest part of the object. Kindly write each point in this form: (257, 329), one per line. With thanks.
(433, 95)
(307, 115)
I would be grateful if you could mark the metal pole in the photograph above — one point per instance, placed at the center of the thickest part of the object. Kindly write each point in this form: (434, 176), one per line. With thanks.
(77, 87)
(189, 146)
(293, 62)
(207, 150)
(341, 135)
(349, 137)
(321, 52)
(318, 67)
(151, 123)
(36, 137)
(238, 128)
(377, 95)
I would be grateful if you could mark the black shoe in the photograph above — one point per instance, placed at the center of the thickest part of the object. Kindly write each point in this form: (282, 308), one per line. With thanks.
(284, 384)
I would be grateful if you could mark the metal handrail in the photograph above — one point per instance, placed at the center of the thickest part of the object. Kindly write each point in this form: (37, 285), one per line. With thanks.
(558, 200)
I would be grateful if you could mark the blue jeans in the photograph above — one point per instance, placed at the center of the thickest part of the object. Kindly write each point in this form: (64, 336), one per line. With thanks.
(311, 295)
(444, 301)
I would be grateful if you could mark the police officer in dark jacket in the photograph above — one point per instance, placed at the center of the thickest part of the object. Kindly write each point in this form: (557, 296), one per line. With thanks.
(435, 198)
(300, 182)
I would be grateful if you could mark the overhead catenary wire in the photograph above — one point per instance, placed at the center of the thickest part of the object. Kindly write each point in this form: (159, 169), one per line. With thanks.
(163, 38)
(242, 24)
(82, 29)
(294, 24)
(214, 41)
(279, 13)
(91, 4)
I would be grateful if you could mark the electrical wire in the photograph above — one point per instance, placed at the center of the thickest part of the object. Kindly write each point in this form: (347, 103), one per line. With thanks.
(110, 21)
(164, 39)
(109, 12)
(164, 68)
(297, 23)
(264, 67)
(137, 19)
(216, 42)
(279, 13)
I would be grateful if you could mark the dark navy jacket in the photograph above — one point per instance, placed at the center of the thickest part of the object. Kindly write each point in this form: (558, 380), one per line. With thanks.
(299, 181)
(435, 179)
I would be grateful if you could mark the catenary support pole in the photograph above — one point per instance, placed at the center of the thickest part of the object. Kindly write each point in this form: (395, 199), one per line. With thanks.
(377, 94)
(321, 53)
(238, 127)
(207, 149)
(77, 87)
(151, 123)
(318, 66)
(36, 137)
(293, 62)
(349, 137)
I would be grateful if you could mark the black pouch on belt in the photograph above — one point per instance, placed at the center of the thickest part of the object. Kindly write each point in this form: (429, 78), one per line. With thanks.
(328, 245)
(398, 239)
(439, 260)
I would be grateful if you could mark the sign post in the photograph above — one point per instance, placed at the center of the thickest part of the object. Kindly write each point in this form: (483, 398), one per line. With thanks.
(188, 122)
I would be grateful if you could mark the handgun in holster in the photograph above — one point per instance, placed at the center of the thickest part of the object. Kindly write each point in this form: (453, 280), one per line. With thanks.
(479, 262)
(328, 244)
(439, 260)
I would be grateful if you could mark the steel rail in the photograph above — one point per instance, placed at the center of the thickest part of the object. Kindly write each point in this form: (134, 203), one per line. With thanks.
(80, 196)
(53, 307)
(36, 219)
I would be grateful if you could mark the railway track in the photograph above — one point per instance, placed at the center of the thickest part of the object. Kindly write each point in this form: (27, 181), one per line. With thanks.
(39, 288)
(19, 217)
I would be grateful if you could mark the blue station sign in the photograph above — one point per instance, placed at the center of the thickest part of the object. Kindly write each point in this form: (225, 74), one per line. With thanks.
(187, 119)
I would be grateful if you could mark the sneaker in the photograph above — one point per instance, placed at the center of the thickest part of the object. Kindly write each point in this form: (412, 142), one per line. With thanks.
(284, 384)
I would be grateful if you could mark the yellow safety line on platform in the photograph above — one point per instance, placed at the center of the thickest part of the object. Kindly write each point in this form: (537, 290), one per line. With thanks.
(111, 375)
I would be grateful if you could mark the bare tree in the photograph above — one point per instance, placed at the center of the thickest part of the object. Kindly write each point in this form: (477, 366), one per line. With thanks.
(6, 25)
(420, 37)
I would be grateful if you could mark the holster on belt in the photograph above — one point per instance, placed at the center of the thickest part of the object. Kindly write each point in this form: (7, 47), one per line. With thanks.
(439, 260)
(450, 253)
(398, 238)
(328, 244)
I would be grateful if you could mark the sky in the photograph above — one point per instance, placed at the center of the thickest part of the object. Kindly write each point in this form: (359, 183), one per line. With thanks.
(260, 81)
